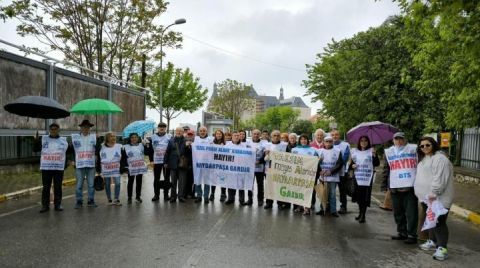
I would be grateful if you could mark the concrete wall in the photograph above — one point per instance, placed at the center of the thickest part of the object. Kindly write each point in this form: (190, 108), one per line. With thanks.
(18, 80)
(20, 76)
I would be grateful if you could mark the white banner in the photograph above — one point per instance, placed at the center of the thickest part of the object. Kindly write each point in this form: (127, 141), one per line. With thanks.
(291, 178)
(224, 166)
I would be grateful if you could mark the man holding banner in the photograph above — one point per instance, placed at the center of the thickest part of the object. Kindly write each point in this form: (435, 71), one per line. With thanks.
(259, 166)
(274, 146)
(231, 167)
(202, 138)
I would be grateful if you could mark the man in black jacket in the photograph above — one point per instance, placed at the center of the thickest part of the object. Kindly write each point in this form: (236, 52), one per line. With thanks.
(175, 160)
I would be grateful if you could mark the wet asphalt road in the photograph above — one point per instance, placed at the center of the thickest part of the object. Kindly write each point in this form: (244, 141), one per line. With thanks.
(214, 235)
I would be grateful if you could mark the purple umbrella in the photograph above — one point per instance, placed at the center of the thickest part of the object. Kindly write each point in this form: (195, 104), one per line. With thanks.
(376, 131)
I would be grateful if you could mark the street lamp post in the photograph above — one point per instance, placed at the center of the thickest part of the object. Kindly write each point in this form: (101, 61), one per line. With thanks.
(178, 21)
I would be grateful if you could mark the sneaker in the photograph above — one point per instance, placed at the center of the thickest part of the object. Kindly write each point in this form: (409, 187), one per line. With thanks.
(155, 198)
(92, 204)
(78, 205)
(59, 208)
(110, 202)
(440, 254)
(117, 202)
(212, 197)
(138, 200)
(429, 245)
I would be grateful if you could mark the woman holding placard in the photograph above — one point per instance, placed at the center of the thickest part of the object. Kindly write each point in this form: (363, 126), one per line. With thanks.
(304, 148)
(364, 161)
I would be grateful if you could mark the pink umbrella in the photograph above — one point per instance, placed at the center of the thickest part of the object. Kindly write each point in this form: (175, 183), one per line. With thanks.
(376, 131)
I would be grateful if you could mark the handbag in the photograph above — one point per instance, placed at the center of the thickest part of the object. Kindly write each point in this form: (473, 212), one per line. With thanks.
(182, 160)
(99, 183)
(350, 182)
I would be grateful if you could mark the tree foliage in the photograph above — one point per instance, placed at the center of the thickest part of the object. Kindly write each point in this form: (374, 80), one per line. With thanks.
(302, 127)
(275, 118)
(232, 100)
(444, 40)
(182, 91)
(369, 77)
(108, 36)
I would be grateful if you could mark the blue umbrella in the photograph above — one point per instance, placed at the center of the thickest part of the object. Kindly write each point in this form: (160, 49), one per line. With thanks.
(139, 127)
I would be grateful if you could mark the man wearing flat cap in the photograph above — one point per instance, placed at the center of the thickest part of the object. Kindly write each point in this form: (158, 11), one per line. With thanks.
(156, 152)
(400, 168)
(52, 165)
(85, 144)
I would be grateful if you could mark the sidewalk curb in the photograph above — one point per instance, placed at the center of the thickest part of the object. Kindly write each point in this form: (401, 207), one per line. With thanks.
(30, 191)
(466, 214)
(461, 212)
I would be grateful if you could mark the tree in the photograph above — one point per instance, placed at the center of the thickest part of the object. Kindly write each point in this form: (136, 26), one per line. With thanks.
(279, 118)
(108, 36)
(232, 100)
(182, 92)
(443, 38)
(302, 127)
(369, 77)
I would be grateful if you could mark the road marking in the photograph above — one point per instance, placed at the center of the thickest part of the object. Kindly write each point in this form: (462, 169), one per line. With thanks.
(30, 207)
(197, 254)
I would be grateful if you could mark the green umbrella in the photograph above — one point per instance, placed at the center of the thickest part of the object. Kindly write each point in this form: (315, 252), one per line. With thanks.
(96, 107)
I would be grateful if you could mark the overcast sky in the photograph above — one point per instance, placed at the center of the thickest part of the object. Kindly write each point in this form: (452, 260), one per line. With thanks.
(272, 40)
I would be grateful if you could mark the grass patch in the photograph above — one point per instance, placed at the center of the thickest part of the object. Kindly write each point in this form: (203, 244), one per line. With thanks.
(24, 180)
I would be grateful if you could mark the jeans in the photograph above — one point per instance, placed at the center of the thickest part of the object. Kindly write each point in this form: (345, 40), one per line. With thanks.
(332, 198)
(206, 190)
(47, 177)
(108, 189)
(81, 174)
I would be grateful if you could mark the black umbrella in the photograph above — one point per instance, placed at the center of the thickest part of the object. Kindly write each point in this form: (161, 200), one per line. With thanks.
(37, 107)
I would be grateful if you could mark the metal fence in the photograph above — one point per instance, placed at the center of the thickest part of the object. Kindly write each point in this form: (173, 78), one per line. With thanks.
(470, 154)
(15, 147)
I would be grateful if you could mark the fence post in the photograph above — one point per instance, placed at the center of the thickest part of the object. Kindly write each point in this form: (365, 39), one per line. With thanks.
(458, 153)
(110, 98)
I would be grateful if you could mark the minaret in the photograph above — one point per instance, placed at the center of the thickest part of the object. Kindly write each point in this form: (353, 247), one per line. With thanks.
(281, 94)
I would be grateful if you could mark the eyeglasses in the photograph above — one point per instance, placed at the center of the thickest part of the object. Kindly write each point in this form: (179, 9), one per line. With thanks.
(428, 145)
